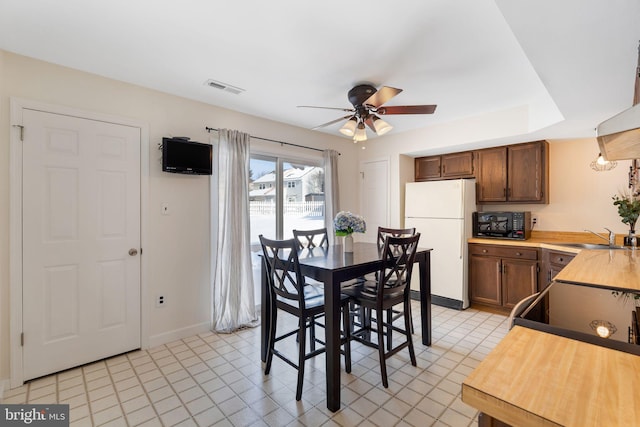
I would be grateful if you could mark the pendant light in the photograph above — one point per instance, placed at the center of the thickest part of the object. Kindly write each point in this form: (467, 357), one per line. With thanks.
(602, 165)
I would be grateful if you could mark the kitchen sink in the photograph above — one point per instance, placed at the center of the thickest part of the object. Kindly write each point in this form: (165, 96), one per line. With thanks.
(590, 246)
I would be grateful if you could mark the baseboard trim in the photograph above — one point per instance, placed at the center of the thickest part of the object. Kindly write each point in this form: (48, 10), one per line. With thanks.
(4, 385)
(438, 300)
(176, 334)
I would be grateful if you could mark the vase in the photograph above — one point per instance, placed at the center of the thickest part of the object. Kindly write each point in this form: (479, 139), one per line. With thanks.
(348, 243)
(631, 239)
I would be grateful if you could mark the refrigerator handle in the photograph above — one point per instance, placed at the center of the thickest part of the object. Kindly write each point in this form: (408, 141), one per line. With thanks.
(462, 238)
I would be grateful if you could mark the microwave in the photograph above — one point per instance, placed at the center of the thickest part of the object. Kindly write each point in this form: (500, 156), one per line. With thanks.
(502, 225)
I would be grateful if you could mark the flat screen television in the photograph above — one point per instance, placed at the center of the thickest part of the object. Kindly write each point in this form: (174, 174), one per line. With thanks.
(179, 155)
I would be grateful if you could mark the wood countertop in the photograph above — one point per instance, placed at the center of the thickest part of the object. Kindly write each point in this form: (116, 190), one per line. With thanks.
(614, 268)
(533, 378)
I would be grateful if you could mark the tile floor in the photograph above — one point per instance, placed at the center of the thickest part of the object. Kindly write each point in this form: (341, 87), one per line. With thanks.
(213, 379)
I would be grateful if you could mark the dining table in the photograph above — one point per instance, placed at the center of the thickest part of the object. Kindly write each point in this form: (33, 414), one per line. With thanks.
(333, 266)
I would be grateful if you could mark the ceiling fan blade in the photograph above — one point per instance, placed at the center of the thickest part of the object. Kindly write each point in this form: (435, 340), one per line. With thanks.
(332, 122)
(383, 94)
(407, 109)
(349, 110)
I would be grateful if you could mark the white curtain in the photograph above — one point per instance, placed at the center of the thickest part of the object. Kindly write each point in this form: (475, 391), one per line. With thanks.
(331, 194)
(233, 295)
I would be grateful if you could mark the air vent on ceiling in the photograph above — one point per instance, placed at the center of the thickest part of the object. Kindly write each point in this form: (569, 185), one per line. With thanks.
(224, 86)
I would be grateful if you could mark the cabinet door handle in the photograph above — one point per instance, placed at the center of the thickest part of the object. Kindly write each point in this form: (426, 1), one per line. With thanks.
(484, 251)
(518, 254)
(561, 259)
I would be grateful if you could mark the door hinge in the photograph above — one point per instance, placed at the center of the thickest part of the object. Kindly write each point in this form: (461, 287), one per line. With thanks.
(21, 131)
(140, 251)
(21, 339)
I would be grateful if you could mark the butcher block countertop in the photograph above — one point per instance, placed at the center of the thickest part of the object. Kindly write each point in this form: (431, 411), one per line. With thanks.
(534, 378)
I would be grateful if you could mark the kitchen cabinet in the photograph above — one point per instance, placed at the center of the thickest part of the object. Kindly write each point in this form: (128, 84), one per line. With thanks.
(501, 276)
(513, 174)
(446, 166)
(553, 262)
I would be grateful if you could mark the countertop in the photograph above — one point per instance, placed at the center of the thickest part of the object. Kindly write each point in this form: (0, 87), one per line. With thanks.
(533, 378)
(551, 240)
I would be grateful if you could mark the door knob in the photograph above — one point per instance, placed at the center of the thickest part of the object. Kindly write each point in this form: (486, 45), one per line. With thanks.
(133, 252)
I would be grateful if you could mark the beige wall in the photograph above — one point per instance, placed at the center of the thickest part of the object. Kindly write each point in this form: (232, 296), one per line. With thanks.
(177, 251)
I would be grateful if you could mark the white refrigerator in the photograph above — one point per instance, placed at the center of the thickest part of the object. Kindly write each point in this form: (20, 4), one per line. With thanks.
(441, 212)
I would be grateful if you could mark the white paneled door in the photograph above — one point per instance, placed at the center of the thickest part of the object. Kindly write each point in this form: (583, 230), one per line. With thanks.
(374, 196)
(81, 241)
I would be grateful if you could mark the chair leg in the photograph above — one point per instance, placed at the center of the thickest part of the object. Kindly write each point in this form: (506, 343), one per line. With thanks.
(408, 331)
(346, 320)
(381, 352)
(312, 333)
(410, 315)
(389, 329)
(301, 357)
(272, 338)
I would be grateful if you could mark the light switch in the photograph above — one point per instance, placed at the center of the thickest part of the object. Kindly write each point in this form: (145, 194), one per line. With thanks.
(165, 208)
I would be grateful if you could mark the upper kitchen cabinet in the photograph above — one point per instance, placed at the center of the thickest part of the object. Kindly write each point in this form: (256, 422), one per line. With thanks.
(513, 174)
(446, 166)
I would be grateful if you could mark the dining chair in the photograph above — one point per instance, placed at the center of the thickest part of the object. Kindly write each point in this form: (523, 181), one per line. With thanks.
(383, 232)
(309, 239)
(389, 290)
(287, 292)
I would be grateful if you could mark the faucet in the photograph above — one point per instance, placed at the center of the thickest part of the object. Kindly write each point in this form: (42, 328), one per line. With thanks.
(611, 239)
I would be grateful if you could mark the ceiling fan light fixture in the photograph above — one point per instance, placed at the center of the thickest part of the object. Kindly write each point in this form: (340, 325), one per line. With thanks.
(349, 128)
(380, 125)
(360, 133)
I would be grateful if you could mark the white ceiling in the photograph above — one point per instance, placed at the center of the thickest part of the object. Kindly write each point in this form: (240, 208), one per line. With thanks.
(570, 62)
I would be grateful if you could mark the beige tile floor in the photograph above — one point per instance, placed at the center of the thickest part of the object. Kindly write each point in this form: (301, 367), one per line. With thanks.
(218, 379)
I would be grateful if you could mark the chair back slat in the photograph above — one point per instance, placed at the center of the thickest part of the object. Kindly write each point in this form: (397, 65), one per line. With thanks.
(383, 232)
(399, 254)
(283, 269)
(309, 239)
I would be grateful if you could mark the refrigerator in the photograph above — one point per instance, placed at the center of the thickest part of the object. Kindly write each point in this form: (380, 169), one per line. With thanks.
(441, 212)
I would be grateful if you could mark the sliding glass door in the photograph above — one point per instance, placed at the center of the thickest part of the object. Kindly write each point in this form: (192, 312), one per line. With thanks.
(284, 195)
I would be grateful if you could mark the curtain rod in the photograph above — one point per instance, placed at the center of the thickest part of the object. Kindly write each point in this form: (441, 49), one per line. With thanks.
(272, 140)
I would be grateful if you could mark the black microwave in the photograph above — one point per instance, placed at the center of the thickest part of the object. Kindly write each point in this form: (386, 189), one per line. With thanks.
(502, 225)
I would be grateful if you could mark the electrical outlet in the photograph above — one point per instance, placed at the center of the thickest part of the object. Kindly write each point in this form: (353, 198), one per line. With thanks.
(161, 301)
(534, 221)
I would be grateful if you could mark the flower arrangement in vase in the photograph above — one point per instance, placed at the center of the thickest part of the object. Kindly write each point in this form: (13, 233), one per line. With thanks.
(629, 210)
(347, 223)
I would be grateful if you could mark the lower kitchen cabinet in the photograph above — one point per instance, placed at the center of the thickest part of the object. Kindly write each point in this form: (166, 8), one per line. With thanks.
(501, 276)
(553, 262)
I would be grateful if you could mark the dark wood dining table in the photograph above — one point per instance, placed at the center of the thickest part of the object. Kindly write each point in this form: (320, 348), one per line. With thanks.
(332, 266)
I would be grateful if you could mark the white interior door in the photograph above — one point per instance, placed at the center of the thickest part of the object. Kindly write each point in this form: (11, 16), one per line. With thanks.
(81, 241)
(374, 193)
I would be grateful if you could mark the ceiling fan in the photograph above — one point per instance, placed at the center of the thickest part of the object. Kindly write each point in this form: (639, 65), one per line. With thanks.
(367, 107)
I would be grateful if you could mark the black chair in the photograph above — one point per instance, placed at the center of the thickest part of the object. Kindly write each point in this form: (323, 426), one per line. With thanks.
(287, 292)
(383, 232)
(390, 290)
(311, 238)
